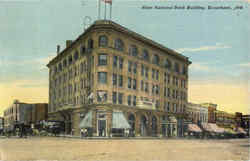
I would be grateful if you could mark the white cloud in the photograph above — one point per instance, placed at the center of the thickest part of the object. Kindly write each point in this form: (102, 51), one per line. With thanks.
(200, 67)
(247, 65)
(204, 48)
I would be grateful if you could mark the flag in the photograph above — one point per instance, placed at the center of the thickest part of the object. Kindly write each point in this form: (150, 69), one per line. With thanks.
(107, 1)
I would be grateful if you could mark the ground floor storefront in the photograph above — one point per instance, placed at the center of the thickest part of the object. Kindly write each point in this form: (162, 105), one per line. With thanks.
(110, 121)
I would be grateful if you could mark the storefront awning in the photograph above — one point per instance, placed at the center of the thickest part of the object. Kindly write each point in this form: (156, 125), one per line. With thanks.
(119, 121)
(194, 128)
(241, 131)
(86, 121)
(212, 128)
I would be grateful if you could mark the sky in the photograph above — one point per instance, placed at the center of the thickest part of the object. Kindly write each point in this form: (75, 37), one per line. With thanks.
(216, 41)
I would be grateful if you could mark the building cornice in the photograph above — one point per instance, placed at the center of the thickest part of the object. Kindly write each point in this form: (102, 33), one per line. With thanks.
(107, 24)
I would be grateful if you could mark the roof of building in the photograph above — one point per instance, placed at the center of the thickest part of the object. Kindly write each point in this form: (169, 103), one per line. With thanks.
(107, 24)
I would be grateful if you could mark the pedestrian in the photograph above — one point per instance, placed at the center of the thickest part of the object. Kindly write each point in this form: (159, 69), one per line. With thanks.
(82, 133)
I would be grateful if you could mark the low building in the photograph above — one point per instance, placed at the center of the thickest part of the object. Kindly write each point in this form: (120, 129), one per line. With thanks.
(242, 121)
(1, 123)
(225, 119)
(197, 113)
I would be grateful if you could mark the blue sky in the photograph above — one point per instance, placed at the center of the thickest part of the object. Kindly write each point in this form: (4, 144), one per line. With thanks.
(216, 41)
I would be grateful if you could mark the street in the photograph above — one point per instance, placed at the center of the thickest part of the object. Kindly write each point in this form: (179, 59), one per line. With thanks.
(55, 148)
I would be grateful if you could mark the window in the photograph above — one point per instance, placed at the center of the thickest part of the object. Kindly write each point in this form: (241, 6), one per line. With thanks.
(90, 44)
(167, 64)
(146, 72)
(114, 97)
(70, 60)
(120, 81)
(145, 55)
(102, 77)
(129, 66)
(120, 96)
(102, 59)
(64, 63)
(135, 68)
(133, 50)
(82, 50)
(168, 107)
(157, 75)
(134, 101)
(129, 100)
(142, 85)
(119, 44)
(115, 58)
(156, 60)
(157, 104)
(146, 87)
(129, 82)
(176, 68)
(102, 96)
(114, 79)
(60, 67)
(120, 62)
(153, 89)
(103, 41)
(153, 73)
(76, 55)
(184, 70)
(134, 84)
(157, 89)
(142, 70)
(165, 91)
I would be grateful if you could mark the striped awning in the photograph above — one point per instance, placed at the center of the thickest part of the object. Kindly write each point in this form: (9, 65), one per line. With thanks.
(194, 128)
(119, 121)
(86, 122)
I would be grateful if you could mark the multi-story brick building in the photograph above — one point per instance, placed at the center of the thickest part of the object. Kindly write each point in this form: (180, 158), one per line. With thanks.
(243, 121)
(211, 111)
(39, 112)
(197, 113)
(115, 76)
(20, 112)
(1, 123)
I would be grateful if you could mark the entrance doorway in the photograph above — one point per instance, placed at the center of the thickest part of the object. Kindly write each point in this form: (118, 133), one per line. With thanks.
(101, 124)
(154, 126)
(131, 121)
(102, 128)
(143, 126)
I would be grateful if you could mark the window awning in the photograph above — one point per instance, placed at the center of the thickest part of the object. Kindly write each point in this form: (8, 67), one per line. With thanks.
(194, 128)
(119, 121)
(86, 121)
(212, 128)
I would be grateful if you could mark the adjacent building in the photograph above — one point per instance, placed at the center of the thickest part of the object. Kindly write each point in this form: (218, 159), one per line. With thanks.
(1, 123)
(111, 78)
(211, 111)
(25, 113)
(197, 113)
(225, 119)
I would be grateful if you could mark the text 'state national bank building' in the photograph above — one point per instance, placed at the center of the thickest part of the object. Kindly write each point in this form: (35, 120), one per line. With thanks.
(111, 78)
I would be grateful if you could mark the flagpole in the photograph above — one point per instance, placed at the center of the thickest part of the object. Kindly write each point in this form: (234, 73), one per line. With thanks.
(105, 11)
(99, 9)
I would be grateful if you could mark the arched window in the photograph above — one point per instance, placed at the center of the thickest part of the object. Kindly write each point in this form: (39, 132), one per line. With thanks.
(156, 60)
(76, 55)
(60, 67)
(176, 67)
(145, 55)
(103, 41)
(64, 63)
(167, 64)
(133, 50)
(119, 44)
